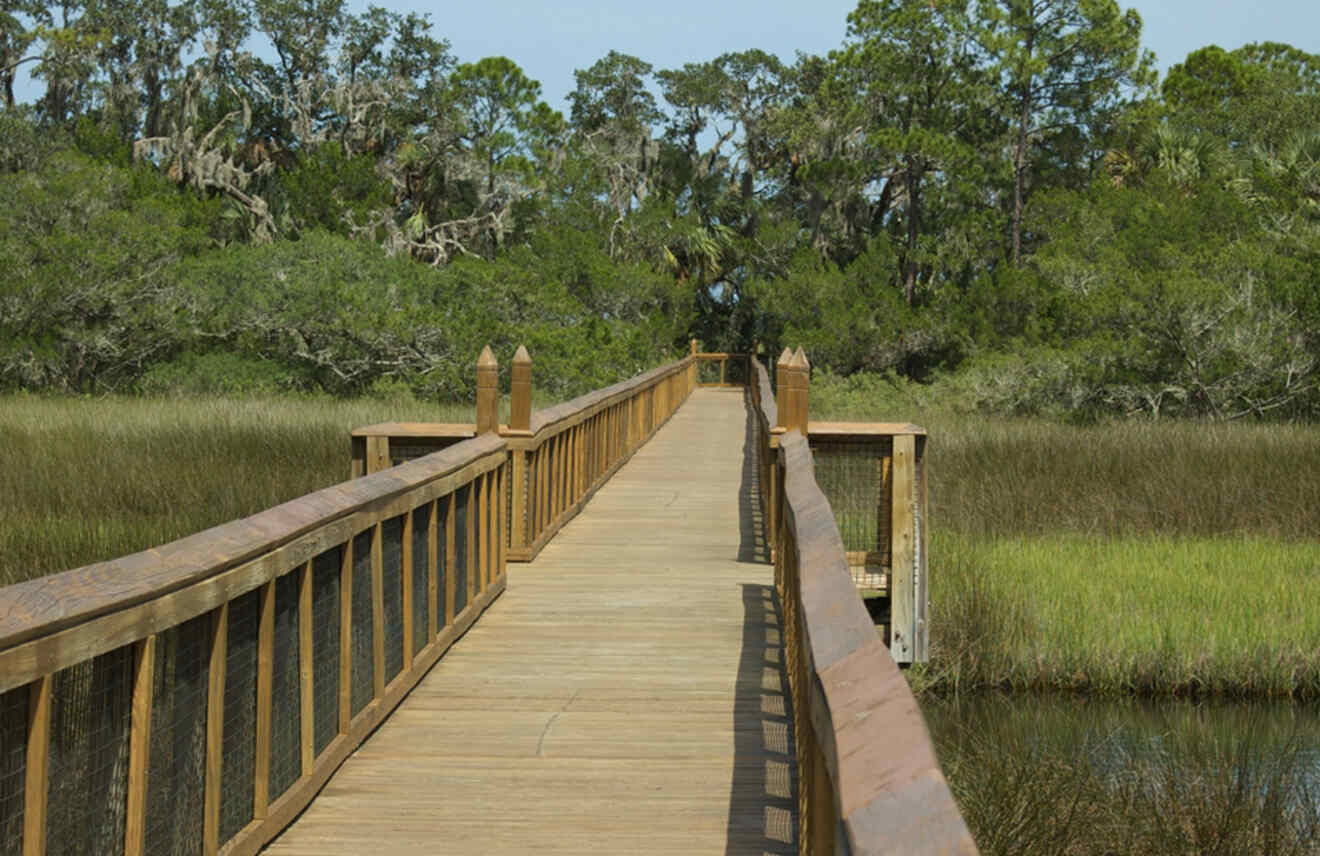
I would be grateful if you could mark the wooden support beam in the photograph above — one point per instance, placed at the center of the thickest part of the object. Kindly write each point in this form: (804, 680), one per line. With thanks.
(37, 766)
(345, 635)
(433, 563)
(215, 730)
(451, 555)
(518, 525)
(265, 680)
(481, 488)
(139, 745)
(470, 542)
(378, 454)
(306, 672)
(903, 545)
(377, 611)
(406, 578)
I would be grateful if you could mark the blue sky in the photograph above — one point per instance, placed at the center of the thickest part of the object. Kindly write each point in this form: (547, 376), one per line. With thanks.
(550, 40)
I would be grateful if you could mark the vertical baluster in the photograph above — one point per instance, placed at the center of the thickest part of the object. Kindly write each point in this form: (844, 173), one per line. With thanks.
(215, 724)
(406, 555)
(377, 611)
(139, 745)
(306, 672)
(265, 678)
(450, 557)
(433, 562)
(345, 635)
(483, 531)
(470, 544)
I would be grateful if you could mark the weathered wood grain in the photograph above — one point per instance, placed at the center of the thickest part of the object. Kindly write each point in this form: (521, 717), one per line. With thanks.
(623, 696)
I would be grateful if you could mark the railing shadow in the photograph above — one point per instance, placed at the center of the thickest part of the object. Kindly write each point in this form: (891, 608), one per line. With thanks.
(753, 540)
(763, 800)
(762, 807)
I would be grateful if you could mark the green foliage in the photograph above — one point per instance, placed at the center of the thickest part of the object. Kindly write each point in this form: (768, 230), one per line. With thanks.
(331, 191)
(87, 292)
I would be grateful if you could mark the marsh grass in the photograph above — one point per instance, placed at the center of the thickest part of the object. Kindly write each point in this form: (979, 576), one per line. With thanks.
(1147, 615)
(1067, 775)
(88, 479)
(1140, 557)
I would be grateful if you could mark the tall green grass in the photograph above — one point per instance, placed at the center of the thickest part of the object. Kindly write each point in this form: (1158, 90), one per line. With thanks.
(1137, 556)
(1064, 775)
(1148, 615)
(88, 479)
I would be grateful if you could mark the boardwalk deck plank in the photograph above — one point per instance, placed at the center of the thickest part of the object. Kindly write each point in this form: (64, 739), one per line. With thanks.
(623, 696)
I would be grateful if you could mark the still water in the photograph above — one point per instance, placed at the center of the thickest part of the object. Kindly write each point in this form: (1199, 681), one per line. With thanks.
(1059, 774)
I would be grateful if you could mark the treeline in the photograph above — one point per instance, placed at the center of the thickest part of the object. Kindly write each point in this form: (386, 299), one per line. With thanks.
(998, 191)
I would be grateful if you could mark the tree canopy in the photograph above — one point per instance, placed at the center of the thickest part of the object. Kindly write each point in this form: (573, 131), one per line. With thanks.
(997, 190)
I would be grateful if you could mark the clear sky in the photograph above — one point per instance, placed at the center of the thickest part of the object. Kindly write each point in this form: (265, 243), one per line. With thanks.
(550, 40)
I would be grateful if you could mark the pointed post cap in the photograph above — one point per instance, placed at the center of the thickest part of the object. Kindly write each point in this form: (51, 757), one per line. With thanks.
(800, 359)
(785, 358)
(521, 357)
(487, 358)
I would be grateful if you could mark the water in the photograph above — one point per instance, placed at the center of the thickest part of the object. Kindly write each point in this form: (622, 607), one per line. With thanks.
(1043, 774)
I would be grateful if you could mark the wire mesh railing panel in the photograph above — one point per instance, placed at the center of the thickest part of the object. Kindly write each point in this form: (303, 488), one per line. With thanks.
(87, 792)
(708, 371)
(442, 569)
(855, 478)
(286, 689)
(325, 647)
(176, 772)
(421, 576)
(363, 681)
(462, 561)
(13, 767)
(735, 371)
(391, 533)
(238, 764)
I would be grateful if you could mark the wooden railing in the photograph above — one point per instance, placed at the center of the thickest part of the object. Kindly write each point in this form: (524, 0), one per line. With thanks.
(734, 369)
(868, 778)
(195, 697)
(568, 451)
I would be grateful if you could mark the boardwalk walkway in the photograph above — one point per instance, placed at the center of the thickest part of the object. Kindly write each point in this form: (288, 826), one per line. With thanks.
(624, 695)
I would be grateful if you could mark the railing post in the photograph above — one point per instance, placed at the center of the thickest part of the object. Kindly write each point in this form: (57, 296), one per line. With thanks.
(903, 552)
(520, 392)
(488, 392)
(693, 345)
(520, 425)
(803, 366)
(797, 393)
(781, 390)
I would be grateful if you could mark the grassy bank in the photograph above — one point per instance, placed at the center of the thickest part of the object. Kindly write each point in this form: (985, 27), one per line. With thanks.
(1134, 556)
(1151, 615)
(83, 480)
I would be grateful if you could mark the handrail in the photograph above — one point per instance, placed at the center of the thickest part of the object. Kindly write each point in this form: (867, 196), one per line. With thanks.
(723, 359)
(868, 778)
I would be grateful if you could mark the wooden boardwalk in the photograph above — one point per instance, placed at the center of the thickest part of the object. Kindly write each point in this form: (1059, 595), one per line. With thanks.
(624, 695)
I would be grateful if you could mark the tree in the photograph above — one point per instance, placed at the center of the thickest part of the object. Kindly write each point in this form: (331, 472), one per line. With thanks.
(1062, 66)
(912, 64)
(498, 104)
(19, 20)
(612, 117)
